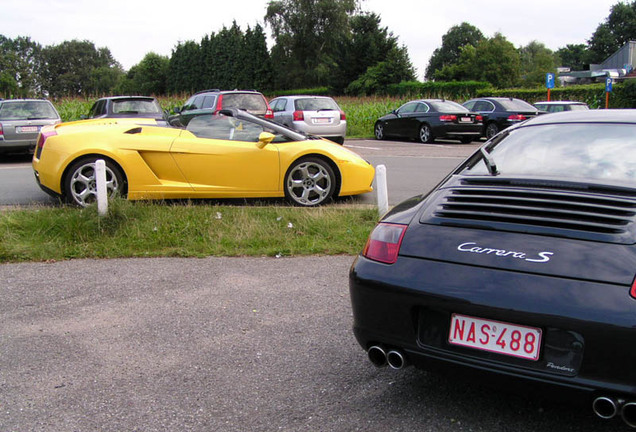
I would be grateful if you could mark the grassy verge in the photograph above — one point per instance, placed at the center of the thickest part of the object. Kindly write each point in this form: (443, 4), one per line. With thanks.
(144, 229)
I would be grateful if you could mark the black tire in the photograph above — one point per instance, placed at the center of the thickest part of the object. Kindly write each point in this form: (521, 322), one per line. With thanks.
(309, 182)
(378, 131)
(79, 185)
(425, 134)
(491, 130)
(467, 140)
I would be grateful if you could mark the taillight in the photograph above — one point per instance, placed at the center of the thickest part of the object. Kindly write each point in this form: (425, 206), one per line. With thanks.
(1, 131)
(384, 243)
(342, 115)
(269, 114)
(299, 116)
(42, 137)
(516, 117)
(219, 103)
(632, 292)
(479, 118)
(448, 118)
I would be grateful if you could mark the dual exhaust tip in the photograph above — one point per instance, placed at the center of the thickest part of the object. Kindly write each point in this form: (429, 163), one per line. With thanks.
(380, 357)
(607, 407)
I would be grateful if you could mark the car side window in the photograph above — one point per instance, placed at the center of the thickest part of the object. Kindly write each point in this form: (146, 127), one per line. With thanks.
(209, 101)
(225, 128)
(470, 105)
(484, 106)
(407, 108)
(422, 108)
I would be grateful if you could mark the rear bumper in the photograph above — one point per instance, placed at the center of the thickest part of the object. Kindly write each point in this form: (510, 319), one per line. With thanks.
(410, 311)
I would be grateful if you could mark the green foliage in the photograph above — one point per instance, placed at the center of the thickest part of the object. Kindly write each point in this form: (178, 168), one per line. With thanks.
(619, 27)
(376, 80)
(139, 229)
(148, 78)
(308, 35)
(20, 67)
(592, 94)
(453, 90)
(227, 60)
(453, 42)
(536, 61)
(574, 56)
(76, 68)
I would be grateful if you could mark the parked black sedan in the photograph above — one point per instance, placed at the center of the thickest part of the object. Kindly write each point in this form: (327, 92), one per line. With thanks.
(427, 119)
(520, 265)
(499, 113)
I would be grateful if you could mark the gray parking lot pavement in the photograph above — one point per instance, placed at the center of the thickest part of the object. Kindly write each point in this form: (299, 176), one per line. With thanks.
(221, 344)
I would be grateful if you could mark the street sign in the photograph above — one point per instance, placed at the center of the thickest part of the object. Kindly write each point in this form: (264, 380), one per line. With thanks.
(549, 80)
(608, 84)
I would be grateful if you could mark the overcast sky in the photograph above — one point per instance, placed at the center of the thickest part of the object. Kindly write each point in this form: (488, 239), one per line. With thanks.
(132, 28)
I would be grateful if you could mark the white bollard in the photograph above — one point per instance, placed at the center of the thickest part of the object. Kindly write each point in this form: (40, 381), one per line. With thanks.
(382, 192)
(100, 183)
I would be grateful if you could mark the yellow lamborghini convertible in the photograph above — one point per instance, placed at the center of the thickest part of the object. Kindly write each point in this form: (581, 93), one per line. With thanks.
(229, 155)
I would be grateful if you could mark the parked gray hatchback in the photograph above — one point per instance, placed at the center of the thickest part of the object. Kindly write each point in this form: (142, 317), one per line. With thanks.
(21, 121)
(315, 115)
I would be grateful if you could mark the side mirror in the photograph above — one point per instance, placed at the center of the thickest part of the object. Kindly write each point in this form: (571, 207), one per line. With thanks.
(177, 110)
(265, 138)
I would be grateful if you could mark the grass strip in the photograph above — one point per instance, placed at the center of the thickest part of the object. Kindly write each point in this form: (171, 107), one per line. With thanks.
(183, 229)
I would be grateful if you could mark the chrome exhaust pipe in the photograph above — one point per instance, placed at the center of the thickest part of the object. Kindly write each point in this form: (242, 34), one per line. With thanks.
(605, 407)
(628, 413)
(395, 359)
(377, 356)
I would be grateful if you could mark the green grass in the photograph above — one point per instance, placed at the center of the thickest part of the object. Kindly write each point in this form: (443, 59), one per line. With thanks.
(147, 229)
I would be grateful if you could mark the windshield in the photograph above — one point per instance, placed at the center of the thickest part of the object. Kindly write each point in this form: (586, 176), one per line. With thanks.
(571, 151)
(27, 110)
(138, 106)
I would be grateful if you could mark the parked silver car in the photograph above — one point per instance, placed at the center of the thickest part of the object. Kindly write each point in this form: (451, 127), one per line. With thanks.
(558, 106)
(21, 121)
(315, 115)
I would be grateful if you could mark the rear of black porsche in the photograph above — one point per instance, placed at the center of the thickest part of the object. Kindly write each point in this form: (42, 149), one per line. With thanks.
(529, 280)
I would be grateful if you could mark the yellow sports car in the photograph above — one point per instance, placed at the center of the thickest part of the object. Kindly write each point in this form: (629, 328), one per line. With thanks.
(229, 155)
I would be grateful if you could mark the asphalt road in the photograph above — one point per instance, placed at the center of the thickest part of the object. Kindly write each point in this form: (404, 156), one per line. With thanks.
(222, 344)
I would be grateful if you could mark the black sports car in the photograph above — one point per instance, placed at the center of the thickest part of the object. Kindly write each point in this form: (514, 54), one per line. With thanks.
(427, 119)
(521, 264)
(499, 113)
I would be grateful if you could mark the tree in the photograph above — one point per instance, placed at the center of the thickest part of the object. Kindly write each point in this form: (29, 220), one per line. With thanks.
(494, 60)
(619, 28)
(72, 68)
(307, 34)
(148, 77)
(573, 56)
(453, 41)
(536, 60)
(20, 66)
(368, 45)
(396, 68)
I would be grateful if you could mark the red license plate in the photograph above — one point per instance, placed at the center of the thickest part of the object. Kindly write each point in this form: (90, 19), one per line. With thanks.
(466, 120)
(322, 120)
(495, 336)
(27, 129)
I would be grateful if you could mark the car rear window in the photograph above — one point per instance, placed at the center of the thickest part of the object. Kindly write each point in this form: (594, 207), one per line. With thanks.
(253, 103)
(136, 106)
(447, 106)
(586, 151)
(316, 104)
(516, 105)
(27, 110)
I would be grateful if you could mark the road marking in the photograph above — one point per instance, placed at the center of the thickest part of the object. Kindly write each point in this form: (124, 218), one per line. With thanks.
(363, 147)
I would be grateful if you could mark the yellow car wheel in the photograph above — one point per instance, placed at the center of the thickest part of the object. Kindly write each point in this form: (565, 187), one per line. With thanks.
(80, 184)
(309, 182)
